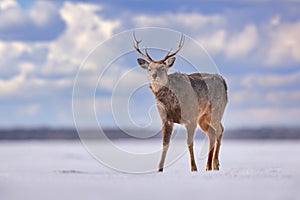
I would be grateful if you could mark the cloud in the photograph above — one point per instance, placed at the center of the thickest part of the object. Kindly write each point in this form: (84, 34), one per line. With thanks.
(275, 20)
(25, 87)
(262, 116)
(246, 97)
(7, 4)
(193, 21)
(40, 22)
(249, 97)
(271, 42)
(84, 30)
(39, 74)
(59, 58)
(284, 97)
(284, 44)
(264, 90)
(260, 81)
(234, 45)
(263, 99)
(12, 50)
(241, 44)
(211, 30)
(30, 110)
(215, 42)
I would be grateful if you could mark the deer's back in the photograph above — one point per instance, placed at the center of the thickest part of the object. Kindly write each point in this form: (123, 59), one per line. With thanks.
(209, 89)
(205, 86)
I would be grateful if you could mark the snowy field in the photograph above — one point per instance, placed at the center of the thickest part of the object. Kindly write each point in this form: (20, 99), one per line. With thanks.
(64, 170)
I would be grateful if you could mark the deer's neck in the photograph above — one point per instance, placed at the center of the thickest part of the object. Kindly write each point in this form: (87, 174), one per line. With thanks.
(155, 87)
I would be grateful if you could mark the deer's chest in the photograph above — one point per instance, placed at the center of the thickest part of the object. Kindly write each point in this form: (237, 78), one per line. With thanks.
(169, 104)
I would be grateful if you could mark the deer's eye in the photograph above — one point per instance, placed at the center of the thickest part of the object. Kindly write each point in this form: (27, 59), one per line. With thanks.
(149, 69)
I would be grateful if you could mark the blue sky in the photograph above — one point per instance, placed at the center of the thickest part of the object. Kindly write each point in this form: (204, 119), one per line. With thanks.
(255, 44)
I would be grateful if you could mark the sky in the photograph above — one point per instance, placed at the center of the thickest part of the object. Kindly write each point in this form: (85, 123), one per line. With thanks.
(255, 45)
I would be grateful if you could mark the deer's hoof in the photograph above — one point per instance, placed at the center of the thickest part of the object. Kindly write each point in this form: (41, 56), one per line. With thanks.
(194, 168)
(160, 170)
(216, 165)
(208, 168)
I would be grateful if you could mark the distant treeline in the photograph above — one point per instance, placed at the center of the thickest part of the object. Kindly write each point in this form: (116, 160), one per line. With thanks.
(264, 133)
(71, 134)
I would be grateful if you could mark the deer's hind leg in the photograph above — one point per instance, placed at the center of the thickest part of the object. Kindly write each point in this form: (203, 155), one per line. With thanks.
(219, 132)
(204, 123)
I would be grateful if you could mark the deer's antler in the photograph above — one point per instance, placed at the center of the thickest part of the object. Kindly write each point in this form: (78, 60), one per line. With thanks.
(168, 55)
(136, 46)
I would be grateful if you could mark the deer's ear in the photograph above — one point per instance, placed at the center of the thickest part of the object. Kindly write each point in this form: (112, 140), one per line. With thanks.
(170, 61)
(143, 63)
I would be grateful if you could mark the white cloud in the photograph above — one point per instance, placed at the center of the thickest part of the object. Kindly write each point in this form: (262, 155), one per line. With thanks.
(13, 50)
(260, 81)
(271, 43)
(283, 97)
(210, 30)
(26, 67)
(41, 21)
(263, 99)
(30, 110)
(84, 30)
(261, 116)
(275, 20)
(22, 86)
(245, 97)
(268, 90)
(215, 42)
(241, 44)
(284, 44)
(41, 12)
(234, 45)
(9, 87)
(7, 4)
(188, 20)
(251, 97)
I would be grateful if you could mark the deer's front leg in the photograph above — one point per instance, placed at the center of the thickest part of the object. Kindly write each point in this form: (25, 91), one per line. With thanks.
(167, 128)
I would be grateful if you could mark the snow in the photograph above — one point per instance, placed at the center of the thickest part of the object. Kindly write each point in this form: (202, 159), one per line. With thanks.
(65, 170)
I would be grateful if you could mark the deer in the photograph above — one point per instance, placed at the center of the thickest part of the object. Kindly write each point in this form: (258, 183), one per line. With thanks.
(186, 99)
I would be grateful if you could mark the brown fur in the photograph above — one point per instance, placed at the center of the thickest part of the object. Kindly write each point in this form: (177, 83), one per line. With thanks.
(169, 102)
(192, 157)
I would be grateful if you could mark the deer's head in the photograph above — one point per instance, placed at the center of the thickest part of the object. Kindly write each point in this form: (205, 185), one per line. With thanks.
(157, 70)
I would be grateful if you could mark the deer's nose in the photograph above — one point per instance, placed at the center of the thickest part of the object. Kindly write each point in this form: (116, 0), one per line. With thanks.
(154, 76)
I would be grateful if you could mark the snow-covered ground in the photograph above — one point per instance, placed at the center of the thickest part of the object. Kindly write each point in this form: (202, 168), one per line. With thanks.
(64, 170)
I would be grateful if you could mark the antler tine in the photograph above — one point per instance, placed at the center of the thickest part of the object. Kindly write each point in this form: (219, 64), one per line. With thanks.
(135, 42)
(148, 56)
(136, 46)
(180, 45)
